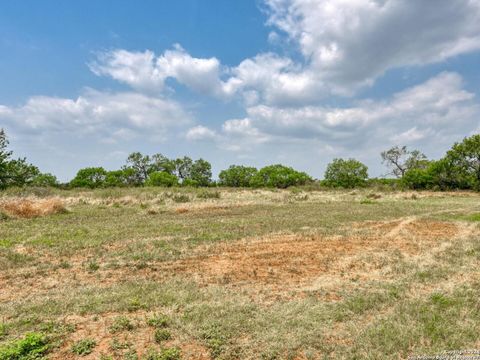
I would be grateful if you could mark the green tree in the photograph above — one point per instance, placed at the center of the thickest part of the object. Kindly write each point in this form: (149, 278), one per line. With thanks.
(92, 177)
(348, 173)
(201, 172)
(400, 160)
(45, 180)
(141, 165)
(21, 173)
(183, 168)
(123, 177)
(279, 176)
(4, 159)
(465, 159)
(161, 178)
(160, 162)
(237, 176)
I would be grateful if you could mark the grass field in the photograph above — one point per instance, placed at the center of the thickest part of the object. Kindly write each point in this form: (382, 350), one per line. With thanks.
(238, 274)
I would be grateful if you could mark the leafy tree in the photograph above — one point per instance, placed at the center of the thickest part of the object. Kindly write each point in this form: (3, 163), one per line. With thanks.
(161, 178)
(123, 177)
(237, 176)
(465, 159)
(141, 165)
(45, 180)
(279, 176)
(400, 160)
(183, 168)
(21, 173)
(346, 173)
(201, 172)
(4, 159)
(162, 163)
(92, 177)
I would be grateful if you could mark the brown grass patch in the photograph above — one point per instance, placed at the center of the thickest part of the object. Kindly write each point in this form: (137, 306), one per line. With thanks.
(30, 208)
(287, 262)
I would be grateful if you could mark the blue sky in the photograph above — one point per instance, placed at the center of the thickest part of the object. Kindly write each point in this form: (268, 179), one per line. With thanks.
(237, 82)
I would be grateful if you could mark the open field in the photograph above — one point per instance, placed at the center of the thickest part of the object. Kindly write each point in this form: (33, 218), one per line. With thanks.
(240, 274)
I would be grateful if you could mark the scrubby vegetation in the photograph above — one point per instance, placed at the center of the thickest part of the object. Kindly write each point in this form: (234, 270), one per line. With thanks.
(459, 169)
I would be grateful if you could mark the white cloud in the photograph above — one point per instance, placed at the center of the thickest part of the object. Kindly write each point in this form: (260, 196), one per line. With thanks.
(145, 71)
(351, 42)
(439, 109)
(107, 116)
(200, 132)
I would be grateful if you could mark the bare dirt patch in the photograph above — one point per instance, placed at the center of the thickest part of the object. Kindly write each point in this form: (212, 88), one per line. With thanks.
(286, 260)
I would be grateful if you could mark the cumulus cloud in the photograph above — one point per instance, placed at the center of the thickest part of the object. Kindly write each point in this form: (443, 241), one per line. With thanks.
(350, 43)
(107, 116)
(344, 45)
(438, 109)
(200, 132)
(145, 71)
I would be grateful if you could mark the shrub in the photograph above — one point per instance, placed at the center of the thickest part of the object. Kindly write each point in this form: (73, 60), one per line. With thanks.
(45, 180)
(158, 321)
(418, 179)
(279, 176)
(32, 346)
(237, 176)
(349, 173)
(161, 178)
(92, 177)
(123, 177)
(83, 347)
(121, 323)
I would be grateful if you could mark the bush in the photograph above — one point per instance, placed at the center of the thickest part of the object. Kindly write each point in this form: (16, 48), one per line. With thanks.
(158, 321)
(123, 177)
(32, 346)
(92, 177)
(349, 173)
(83, 347)
(237, 176)
(279, 176)
(45, 180)
(161, 178)
(418, 179)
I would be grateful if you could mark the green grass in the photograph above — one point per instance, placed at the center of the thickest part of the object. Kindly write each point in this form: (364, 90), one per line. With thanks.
(102, 265)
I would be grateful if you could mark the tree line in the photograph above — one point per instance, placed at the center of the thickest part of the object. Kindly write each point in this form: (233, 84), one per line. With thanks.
(458, 169)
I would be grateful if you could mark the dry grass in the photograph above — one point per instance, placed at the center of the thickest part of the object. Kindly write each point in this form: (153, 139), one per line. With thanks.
(31, 208)
(249, 275)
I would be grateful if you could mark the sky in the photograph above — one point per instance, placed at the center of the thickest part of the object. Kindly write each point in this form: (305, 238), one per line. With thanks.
(251, 82)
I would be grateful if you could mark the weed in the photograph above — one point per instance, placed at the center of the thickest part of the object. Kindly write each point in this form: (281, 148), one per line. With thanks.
(130, 355)
(162, 335)
(121, 323)
(164, 354)
(32, 346)
(181, 198)
(206, 194)
(3, 330)
(158, 321)
(135, 304)
(367, 202)
(92, 266)
(83, 347)
(116, 345)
